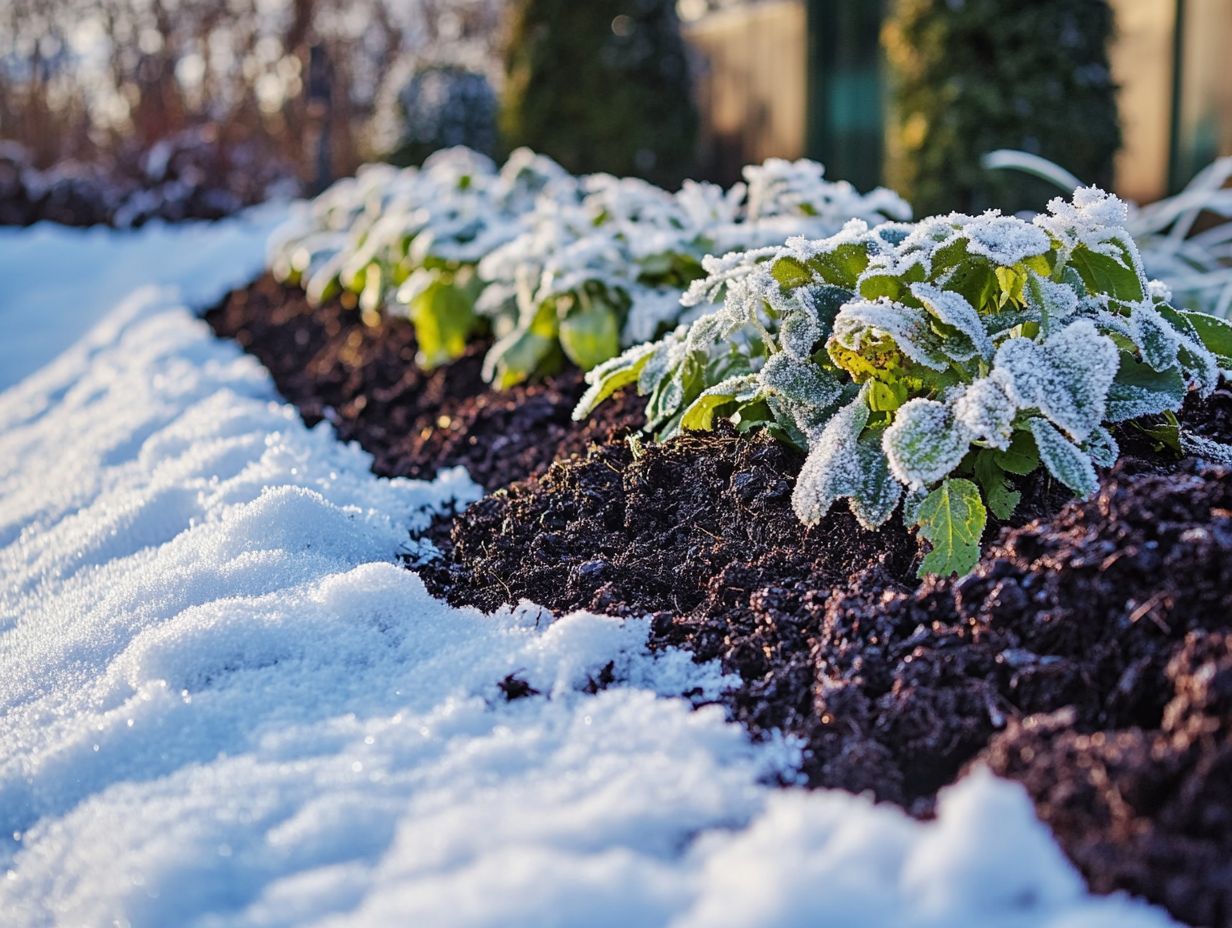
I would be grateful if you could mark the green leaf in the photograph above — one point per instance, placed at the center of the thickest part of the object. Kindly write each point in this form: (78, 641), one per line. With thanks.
(976, 280)
(842, 266)
(444, 320)
(701, 412)
(1137, 390)
(1021, 457)
(1063, 459)
(790, 272)
(610, 376)
(893, 285)
(590, 335)
(1214, 333)
(952, 519)
(517, 357)
(1105, 274)
(1002, 498)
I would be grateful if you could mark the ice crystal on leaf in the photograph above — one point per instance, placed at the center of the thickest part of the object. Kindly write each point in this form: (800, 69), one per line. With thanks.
(933, 363)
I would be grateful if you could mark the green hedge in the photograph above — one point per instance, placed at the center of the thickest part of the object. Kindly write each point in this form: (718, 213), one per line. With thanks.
(971, 76)
(601, 85)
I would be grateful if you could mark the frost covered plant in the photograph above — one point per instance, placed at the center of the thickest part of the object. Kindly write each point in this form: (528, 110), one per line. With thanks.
(592, 277)
(1195, 265)
(413, 238)
(555, 267)
(926, 366)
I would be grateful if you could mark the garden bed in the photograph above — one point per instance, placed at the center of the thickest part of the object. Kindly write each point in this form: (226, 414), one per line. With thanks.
(331, 365)
(1088, 656)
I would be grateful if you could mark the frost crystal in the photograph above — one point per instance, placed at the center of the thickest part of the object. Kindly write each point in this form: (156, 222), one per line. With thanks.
(986, 412)
(1005, 240)
(953, 309)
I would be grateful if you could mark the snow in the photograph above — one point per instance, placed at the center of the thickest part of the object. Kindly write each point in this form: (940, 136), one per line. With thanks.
(58, 281)
(226, 704)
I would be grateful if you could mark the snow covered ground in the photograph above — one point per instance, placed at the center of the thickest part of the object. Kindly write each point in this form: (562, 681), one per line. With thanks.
(58, 281)
(224, 704)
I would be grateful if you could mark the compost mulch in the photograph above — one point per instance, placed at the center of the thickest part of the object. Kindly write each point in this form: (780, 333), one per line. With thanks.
(332, 365)
(1088, 656)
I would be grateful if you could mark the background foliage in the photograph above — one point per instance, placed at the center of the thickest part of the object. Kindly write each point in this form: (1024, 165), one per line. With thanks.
(602, 85)
(972, 76)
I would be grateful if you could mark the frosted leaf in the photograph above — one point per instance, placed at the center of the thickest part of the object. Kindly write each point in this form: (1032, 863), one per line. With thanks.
(668, 353)
(722, 271)
(799, 333)
(924, 443)
(1155, 338)
(1063, 459)
(801, 382)
(1102, 447)
(833, 467)
(862, 322)
(1200, 447)
(1067, 377)
(701, 412)
(877, 493)
(810, 319)
(1055, 301)
(1005, 240)
(953, 309)
(986, 412)
(652, 310)
(1140, 391)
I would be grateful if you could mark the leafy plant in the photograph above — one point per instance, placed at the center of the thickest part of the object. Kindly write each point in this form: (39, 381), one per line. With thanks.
(556, 268)
(1195, 265)
(927, 366)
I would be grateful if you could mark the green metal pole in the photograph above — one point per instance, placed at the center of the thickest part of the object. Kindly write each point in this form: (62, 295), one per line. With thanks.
(845, 122)
(1176, 169)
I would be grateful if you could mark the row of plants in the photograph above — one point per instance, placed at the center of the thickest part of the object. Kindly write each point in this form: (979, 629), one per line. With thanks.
(551, 266)
(925, 368)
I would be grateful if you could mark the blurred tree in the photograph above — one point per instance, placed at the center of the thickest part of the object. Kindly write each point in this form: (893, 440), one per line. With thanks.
(601, 85)
(971, 76)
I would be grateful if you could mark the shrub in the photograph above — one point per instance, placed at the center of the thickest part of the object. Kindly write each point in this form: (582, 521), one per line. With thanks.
(929, 365)
(977, 75)
(602, 85)
(425, 108)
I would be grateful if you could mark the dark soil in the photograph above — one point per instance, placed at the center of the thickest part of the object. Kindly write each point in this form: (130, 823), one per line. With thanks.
(1086, 656)
(362, 378)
